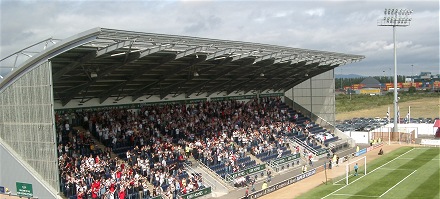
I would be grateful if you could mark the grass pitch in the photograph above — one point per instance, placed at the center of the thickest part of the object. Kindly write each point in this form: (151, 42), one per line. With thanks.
(405, 173)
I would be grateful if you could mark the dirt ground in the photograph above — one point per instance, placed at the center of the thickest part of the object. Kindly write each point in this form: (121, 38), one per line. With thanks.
(2, 196)
(307, 184)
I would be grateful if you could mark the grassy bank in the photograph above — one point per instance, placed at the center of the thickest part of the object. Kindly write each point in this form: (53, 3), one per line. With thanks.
(425, 105)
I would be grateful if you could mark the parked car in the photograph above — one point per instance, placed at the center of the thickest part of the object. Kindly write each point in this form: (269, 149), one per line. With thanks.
(368, 128)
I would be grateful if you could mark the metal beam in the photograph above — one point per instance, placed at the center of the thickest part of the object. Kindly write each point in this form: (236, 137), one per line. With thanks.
(154, 50)
(269, 56)
(286, 85)
(284, 59)
(113, 47)
(267, 83)
(168, 89)
(138, 93)
(243, 55)
(65, 99)
(191, 51)
(216, 76)
(215, 88)
(282, 67)
(205, 69)
(220, 53)
(73, 65)
(282, 76)
(254, 73)
(223, 62)
(106, 94)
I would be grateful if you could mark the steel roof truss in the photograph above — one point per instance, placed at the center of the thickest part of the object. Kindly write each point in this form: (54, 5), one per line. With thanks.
(72, 93)
(192, 51)
(137, 73)
(154, 50)
(269, 56)
(194, 88)
(227, 51)
(168, 89)
(138, 93)
(113, 47)
(283, 76)
(73, 65)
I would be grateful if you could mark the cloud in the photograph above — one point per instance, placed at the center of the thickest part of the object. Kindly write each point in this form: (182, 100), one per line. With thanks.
(319, 12)
(337, 26)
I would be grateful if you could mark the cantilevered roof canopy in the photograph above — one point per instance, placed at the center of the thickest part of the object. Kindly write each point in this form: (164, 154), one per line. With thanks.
(107, 63)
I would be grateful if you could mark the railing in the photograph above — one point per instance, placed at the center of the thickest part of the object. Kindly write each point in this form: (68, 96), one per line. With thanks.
(280, 162)
(343, 136)
(14, 60)
(205, 180)
(255, 169)
(215, 173)
(338, 145)
(301, 143)
(320, 121)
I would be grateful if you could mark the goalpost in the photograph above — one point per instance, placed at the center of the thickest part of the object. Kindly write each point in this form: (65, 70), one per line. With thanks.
(362, 168)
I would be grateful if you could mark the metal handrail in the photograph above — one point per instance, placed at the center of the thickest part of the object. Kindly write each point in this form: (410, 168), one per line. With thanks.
(205, 180)
(215, 173)
(278, 165)
(296, 140)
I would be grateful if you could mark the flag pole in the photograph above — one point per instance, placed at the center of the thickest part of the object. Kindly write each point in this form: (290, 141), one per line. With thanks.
(389, 130)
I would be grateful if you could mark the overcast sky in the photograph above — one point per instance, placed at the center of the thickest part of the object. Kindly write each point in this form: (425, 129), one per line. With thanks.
(338, 26)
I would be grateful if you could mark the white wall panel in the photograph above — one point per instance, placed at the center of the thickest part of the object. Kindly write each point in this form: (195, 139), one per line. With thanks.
(317, 96)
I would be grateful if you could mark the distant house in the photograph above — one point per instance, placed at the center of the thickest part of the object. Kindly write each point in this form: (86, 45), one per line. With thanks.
(370, 82)
(370, 86)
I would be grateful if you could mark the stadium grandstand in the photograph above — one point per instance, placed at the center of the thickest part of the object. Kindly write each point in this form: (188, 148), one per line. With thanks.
(121, 114)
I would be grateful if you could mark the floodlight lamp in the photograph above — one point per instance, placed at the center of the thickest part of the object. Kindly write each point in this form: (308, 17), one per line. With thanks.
(93, 74)
(196, 74)
(261, 74)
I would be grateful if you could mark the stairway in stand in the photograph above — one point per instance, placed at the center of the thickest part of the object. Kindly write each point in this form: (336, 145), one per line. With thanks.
(98, 144)
(218, 186)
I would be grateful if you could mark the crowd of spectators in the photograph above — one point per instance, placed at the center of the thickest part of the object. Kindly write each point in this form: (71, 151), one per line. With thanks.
(160, 139)
(155, 161)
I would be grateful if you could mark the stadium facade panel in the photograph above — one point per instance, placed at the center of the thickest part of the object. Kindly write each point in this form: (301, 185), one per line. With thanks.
(27, 130)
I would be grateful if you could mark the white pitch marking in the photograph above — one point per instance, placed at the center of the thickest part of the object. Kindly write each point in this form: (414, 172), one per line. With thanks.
(398, 183)
(366, 175)
(341, 194)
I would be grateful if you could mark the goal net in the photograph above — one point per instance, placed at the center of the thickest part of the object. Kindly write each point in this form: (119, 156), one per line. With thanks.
(355, 168)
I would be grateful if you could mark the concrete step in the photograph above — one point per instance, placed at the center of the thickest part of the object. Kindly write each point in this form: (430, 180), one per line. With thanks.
(218, 185)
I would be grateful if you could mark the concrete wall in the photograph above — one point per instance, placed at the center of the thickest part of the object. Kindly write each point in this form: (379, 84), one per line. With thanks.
(419, 129)
(316, 95)
(12, 171)
(359, 136)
